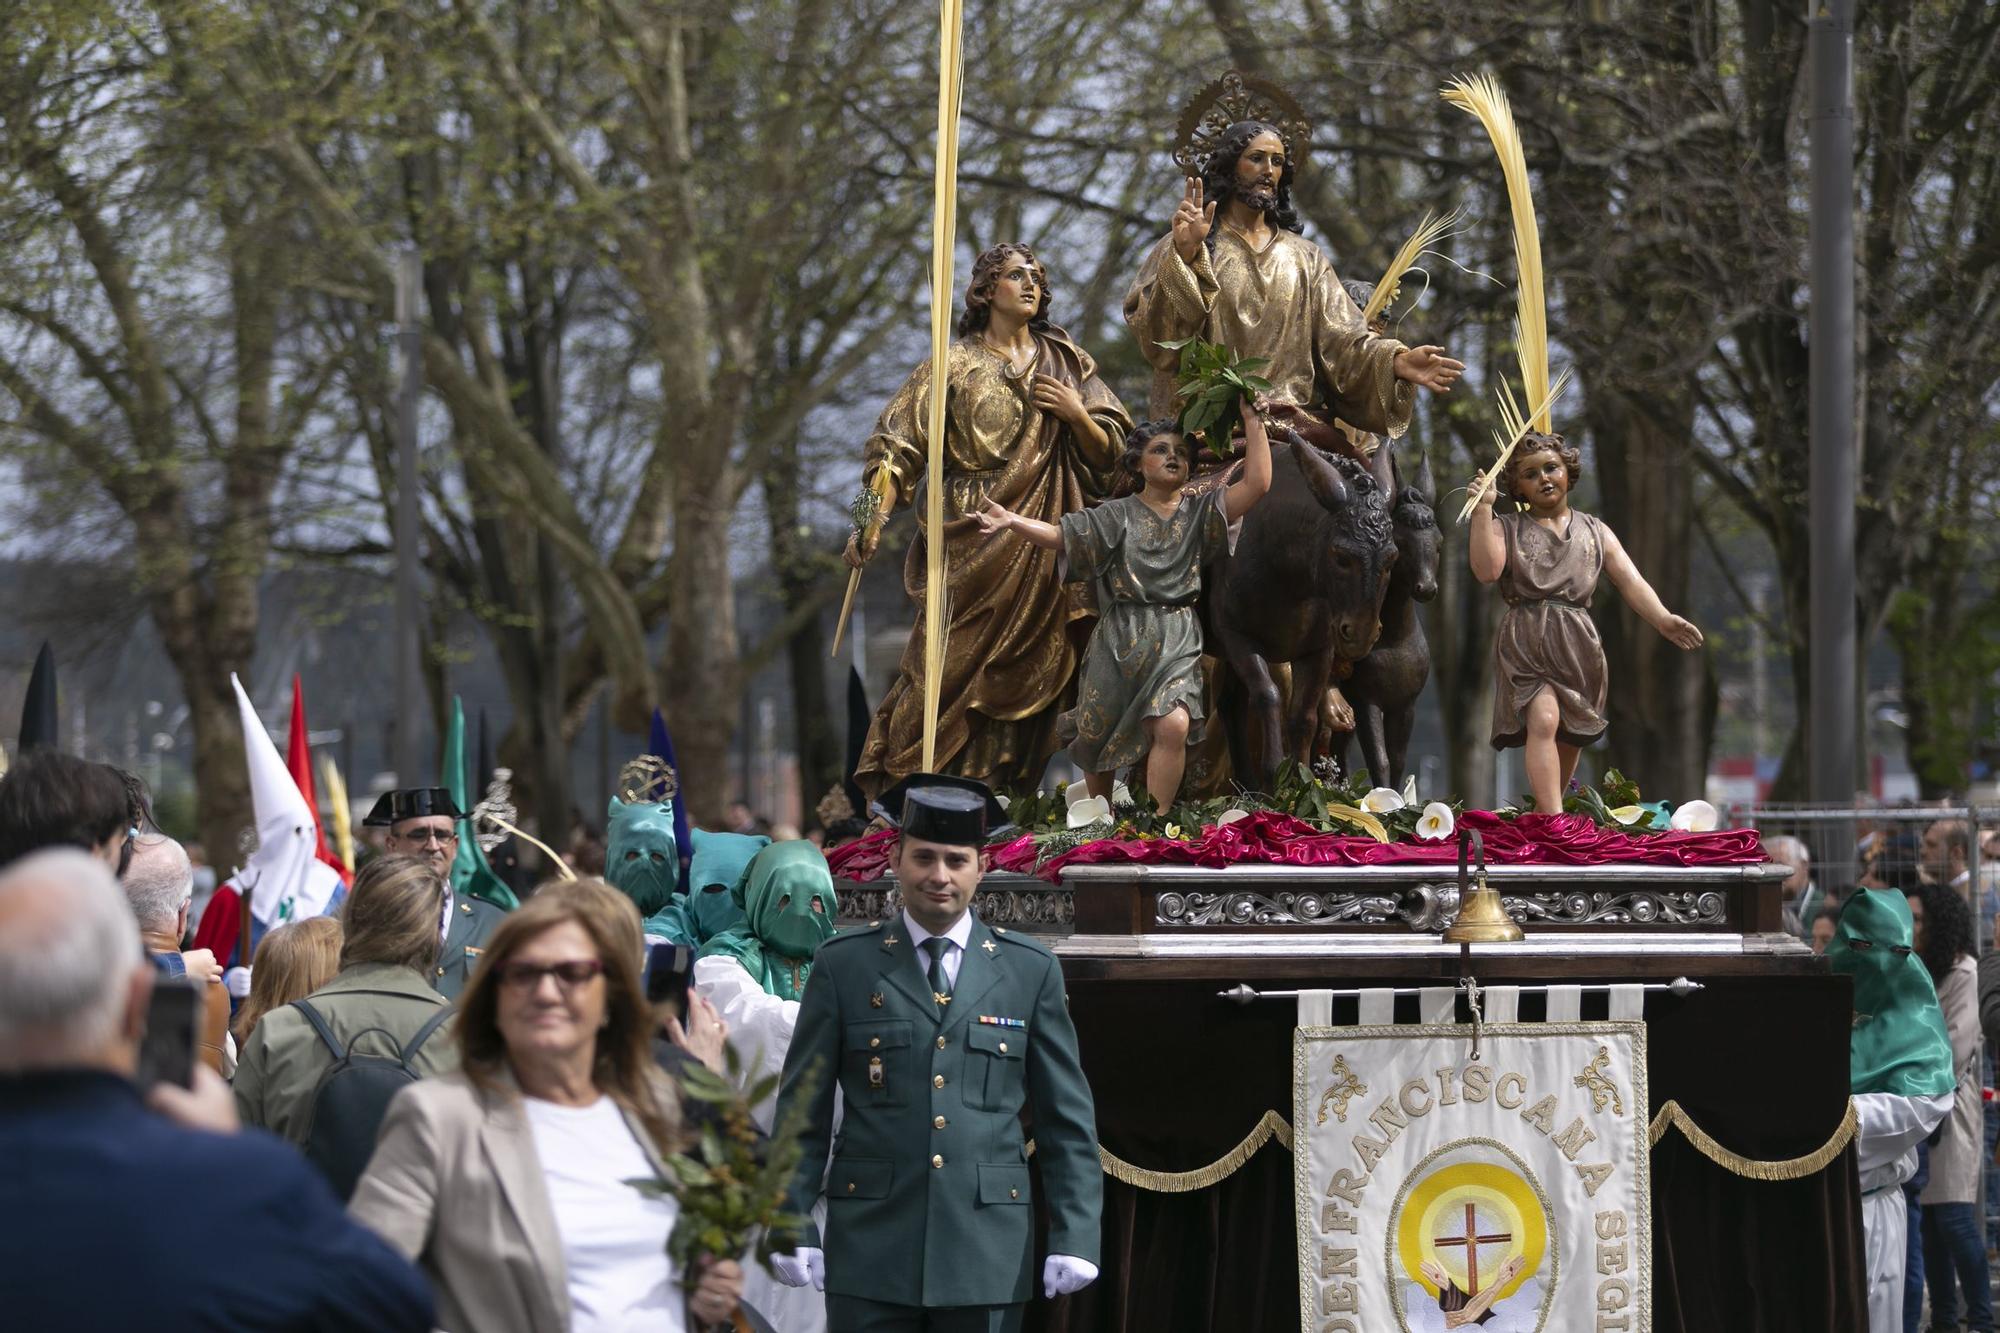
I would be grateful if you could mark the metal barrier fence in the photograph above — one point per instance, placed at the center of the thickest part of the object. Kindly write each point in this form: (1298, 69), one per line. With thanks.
(1845, 842)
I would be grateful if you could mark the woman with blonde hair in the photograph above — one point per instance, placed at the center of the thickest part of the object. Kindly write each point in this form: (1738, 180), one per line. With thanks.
(509, 1180)
(292, 962)
(378, 1007)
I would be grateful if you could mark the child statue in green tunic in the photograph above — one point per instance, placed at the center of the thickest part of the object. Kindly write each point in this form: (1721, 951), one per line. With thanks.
(1140, 694)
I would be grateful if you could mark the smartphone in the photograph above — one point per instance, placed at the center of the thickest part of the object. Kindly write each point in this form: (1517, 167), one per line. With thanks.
(669, 971)
(173, 1031)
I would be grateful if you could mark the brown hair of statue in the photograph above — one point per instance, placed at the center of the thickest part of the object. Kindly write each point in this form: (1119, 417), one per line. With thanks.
(986, 272)
(1533, 443)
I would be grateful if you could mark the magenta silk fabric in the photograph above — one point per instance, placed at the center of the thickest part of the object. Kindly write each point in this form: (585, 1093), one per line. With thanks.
(1267, 838)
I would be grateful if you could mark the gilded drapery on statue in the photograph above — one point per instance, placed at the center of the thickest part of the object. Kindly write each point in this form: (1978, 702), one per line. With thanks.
(1283, 302)
(1014, 640)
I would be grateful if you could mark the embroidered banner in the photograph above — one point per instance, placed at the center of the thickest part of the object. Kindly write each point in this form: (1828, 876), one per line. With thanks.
(1503, 1194)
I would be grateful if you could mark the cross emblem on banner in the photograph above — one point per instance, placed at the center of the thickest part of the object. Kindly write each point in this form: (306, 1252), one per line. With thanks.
(1472, 1240)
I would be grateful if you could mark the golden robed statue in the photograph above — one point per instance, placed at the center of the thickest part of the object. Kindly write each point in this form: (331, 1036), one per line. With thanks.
(1235, 270)
(1031, 427)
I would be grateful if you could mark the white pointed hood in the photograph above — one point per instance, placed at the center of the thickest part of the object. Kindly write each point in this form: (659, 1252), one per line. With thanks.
(285, 879)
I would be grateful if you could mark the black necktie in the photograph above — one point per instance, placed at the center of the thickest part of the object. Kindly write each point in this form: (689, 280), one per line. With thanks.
(940, 983)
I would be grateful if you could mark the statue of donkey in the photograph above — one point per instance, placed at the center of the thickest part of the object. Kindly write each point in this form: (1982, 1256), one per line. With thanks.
(1384, 685)
(1304, 585)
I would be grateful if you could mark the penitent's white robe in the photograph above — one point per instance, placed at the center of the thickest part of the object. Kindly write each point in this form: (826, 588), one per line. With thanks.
(1888, 1129)
(760, 1032)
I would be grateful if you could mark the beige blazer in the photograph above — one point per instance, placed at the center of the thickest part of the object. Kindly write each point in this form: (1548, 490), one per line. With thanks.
(456, 1187)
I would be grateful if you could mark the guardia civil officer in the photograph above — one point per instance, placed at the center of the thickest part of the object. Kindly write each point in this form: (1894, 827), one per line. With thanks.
(937, 1030)
(423, 822)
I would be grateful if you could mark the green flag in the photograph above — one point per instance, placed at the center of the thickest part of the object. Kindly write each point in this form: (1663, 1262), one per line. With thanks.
(470, 875)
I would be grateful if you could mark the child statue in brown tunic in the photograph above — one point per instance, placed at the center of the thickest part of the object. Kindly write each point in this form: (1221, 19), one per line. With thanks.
(1547, 659)
(1140, 695)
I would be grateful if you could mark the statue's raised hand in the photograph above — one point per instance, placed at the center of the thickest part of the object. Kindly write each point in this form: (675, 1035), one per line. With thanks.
(1430, 367)
(1192, 220)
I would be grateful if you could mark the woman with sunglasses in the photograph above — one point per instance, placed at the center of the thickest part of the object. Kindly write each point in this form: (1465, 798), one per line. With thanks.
(510, 1180)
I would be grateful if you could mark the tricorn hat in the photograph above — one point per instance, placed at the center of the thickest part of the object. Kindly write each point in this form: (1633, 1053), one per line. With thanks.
(412, 803)
(936, 807)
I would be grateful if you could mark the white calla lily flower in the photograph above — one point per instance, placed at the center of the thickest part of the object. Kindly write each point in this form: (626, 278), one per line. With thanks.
(1630, 814)
(1004, 802)
(1436, 823)
(1120, 794)
(1410, 790)
(1382, 801)
(1695, 817)
(1090, 810)
(1230, 816)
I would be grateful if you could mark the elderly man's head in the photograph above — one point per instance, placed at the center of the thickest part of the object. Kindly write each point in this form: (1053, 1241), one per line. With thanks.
(1945, 851)
(73, 981)
(1787, 850)
(159, 883)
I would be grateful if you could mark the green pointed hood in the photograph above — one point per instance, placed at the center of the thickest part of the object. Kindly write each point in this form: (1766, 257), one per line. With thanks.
(1899, 1043)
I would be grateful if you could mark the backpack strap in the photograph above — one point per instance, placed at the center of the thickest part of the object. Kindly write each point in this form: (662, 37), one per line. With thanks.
(431, 1024)
(318, 1023)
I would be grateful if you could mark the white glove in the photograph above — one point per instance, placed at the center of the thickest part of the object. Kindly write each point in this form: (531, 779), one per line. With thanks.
(237, 982)
(801, 1266)
(1064, 1273)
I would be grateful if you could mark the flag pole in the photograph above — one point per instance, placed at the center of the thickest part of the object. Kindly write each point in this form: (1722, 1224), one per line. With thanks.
(944, 232)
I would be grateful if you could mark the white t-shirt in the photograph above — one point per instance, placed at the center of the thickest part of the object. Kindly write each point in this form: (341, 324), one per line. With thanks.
(614, 1238)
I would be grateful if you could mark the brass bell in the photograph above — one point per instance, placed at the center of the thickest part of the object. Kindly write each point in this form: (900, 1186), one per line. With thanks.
(1482, 919)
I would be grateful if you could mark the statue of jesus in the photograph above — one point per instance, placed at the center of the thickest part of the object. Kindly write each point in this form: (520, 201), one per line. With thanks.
(1235, 270)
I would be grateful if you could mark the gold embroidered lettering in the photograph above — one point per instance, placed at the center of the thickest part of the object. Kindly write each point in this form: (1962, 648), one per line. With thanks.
(1348, 1186)
(1332, 1217)
(1403, 1097)
(1370, 1151)
(1542, 1115)
(1520, 1085)
(1478, 1082)
(1573, 1140)
(1447, 1087)
(1389, 1120)
(1593, 1175)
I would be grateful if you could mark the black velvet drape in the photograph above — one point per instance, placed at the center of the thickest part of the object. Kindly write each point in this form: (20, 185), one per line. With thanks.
(1181, 1076)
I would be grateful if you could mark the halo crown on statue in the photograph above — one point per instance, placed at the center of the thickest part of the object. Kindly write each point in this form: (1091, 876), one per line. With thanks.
(1231, 99)
(648, 780)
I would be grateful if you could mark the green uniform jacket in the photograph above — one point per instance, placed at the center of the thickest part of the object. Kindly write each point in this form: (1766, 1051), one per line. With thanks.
(928, 1199)
(472, 920)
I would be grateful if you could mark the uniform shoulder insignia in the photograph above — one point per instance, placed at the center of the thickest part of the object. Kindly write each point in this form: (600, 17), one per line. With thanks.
(867, 931)
(1023, 941)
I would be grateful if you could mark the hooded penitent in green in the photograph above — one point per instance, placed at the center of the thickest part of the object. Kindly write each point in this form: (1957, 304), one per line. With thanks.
(787, 900)
(1899, 1044)
(718, 863)
(642, 862)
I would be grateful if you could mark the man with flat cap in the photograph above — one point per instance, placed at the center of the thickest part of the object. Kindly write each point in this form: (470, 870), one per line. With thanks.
(423, 822)
(938, 1030)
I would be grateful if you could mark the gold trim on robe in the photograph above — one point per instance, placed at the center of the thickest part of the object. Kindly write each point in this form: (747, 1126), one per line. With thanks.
(1284, 302)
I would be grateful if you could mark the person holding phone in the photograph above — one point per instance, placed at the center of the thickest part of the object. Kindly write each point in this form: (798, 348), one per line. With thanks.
(132, 1172)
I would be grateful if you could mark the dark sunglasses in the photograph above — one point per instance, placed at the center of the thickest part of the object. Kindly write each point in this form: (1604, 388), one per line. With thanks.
(528, 976)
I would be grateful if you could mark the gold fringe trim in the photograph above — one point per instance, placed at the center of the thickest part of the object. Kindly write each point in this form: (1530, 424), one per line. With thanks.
(1796, 1168)
(1272, 1126)
(1671, 1116)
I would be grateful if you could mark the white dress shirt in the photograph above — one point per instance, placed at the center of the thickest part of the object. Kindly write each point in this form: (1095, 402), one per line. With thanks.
(960, 932)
